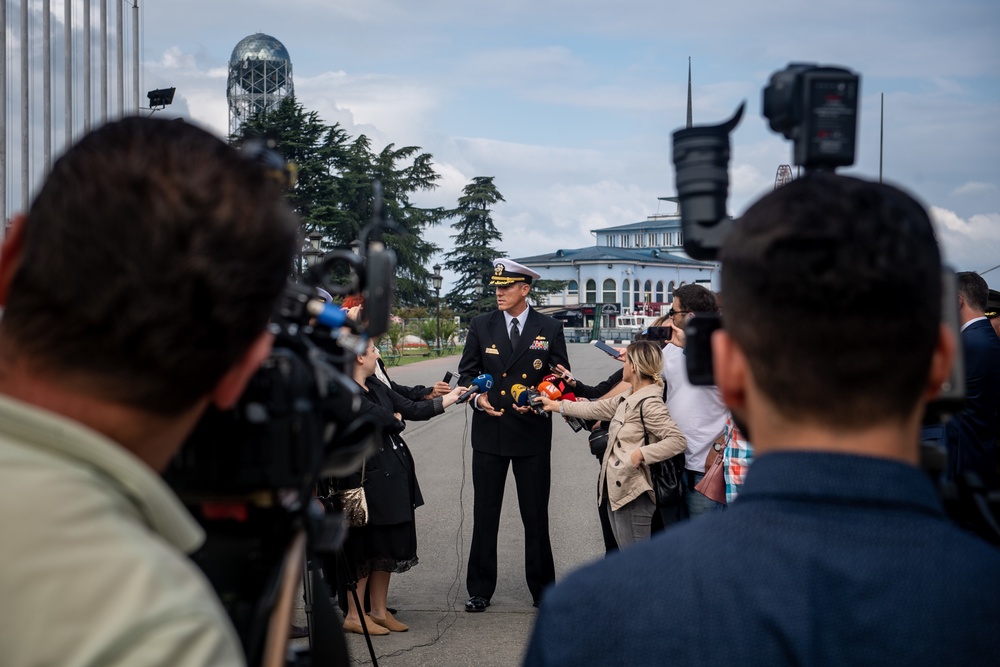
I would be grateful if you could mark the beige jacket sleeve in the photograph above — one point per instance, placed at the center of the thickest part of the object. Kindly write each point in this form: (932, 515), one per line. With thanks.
(665, 438)
(602, 410)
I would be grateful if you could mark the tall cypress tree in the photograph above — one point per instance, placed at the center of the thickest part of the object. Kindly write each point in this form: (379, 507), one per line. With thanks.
(475, 247)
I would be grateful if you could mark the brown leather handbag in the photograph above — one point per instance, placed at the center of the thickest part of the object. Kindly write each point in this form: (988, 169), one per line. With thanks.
(713, 484)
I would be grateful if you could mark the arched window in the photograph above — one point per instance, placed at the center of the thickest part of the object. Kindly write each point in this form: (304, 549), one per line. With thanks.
(573, 288)
(659, 291)
(609, 292)
(625, 295)
(671, 286)
(591, 293)
(635, 288)
(647, 291)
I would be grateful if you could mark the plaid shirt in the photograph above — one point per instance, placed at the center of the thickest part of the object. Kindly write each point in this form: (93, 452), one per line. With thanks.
(737, 457)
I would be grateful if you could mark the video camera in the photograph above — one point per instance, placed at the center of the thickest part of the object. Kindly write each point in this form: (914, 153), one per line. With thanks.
(249, 474)
(816, 107)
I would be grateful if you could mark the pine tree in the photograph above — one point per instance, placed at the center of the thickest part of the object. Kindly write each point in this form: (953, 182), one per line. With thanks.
(334, 193)
(475, 247)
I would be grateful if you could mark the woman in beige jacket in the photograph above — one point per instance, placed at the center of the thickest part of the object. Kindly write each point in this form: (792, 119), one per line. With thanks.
(625, 475)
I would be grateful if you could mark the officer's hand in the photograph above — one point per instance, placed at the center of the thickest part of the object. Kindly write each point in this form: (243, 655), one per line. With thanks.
(482, 401)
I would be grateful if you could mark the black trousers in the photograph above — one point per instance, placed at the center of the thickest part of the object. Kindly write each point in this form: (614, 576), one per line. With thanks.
(532, 476)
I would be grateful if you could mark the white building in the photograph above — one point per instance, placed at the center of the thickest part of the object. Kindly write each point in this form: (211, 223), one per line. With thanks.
(632, 269)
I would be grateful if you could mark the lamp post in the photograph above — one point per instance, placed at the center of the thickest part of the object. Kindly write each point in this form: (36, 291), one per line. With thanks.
(312, 252)
(436, 279)
(478, 290)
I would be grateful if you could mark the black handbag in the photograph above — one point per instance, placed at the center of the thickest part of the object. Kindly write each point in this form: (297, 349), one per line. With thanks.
(667, 476)
(599, 442)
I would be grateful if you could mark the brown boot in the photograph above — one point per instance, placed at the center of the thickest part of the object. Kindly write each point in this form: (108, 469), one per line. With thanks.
(390, 623)
(373, 627)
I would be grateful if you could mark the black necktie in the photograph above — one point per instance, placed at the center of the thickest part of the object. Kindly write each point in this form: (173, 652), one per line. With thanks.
(515, 334)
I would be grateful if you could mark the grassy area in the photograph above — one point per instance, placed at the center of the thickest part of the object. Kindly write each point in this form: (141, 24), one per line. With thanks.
(412, 355)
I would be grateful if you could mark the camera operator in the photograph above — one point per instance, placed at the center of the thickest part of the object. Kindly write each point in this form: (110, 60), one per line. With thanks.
(838, 551)
(136, 292)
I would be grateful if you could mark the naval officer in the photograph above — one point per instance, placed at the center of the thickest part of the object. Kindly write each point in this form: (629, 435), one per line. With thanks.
(515, 344)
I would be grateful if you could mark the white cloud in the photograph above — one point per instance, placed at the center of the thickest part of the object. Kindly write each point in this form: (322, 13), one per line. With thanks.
(971, 244)
(973, 188)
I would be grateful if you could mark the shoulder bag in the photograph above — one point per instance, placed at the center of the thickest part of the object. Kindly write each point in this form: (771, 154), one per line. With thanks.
(713, 484)
(667, 476)
(352, 503)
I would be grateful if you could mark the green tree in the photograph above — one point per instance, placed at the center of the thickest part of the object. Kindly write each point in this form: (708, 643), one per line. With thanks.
(540, 289)
(475, 246)
(334, 195)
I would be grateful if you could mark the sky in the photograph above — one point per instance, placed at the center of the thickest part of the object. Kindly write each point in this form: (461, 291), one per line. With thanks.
(570, 104)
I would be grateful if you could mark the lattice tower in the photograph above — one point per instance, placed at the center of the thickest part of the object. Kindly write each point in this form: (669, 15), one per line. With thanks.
(260, 76)
(783, 177)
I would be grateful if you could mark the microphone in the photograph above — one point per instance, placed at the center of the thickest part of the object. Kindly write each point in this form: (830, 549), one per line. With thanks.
(519, 393)
(549, 390)
(575, 423)
(480, 385)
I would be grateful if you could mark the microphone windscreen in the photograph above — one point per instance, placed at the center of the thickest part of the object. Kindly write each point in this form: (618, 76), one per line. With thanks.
(520, 394)
(549, 390)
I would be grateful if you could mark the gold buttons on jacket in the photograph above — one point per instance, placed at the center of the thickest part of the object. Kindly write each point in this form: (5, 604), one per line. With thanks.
(504, 375)
(524, 376)
(503, 393)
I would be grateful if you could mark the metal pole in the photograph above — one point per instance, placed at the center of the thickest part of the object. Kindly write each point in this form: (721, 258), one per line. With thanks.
(68, 73)
(47, 84)
(135, 56)
(438, 290)
(104, 61)
(86, 66)
(3, 120)
(120, 56)
(25, 147)
(881, 127)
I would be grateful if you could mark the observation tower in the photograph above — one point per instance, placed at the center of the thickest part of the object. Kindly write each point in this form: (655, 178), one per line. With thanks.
(260, 76)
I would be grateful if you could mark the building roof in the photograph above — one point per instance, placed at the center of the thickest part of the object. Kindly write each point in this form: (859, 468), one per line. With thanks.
(606, 254)
(652, 224)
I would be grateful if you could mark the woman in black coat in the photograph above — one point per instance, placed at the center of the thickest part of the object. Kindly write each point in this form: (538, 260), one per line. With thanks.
(388, 543)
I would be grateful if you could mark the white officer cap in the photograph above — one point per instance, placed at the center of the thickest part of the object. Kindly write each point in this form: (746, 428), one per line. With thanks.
(507, 272)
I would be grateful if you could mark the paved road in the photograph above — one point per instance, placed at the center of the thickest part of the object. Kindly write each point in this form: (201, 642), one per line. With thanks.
(430, 597)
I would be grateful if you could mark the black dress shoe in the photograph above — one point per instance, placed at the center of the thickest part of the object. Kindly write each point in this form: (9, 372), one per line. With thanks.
(476, 604)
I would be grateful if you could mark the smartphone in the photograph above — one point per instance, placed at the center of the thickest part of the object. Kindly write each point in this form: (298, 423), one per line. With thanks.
(448, 377)
(604, 347)
(659, 333)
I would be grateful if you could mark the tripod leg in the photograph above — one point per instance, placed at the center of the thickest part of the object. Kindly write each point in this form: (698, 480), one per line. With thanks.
(280, 621)
(352, 586)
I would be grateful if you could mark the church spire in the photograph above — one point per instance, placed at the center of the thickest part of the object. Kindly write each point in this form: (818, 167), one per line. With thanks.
(689, 92)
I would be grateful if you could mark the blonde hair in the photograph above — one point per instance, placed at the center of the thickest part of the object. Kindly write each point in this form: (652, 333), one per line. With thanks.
(647, 359)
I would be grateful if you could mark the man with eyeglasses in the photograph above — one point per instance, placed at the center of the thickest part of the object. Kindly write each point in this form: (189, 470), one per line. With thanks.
(698, 411)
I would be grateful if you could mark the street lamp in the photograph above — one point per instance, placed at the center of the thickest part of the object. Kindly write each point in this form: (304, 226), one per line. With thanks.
(313, 252)
(436, 280)
(478, 289)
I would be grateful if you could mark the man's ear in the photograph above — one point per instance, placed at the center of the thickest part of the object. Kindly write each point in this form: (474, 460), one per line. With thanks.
(730, 365)
(229, 388)
(941, 360)
(10, 255)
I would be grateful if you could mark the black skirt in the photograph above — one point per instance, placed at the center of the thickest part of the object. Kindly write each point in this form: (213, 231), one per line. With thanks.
(391, 548)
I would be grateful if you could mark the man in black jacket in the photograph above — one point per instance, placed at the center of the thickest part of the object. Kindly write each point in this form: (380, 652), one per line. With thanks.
(516, 345)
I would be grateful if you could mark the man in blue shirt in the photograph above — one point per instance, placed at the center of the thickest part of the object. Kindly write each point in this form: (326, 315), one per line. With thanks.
(837, 551)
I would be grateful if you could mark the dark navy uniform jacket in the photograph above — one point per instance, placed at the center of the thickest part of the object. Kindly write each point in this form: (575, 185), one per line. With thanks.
(823, 559)
(488, 350)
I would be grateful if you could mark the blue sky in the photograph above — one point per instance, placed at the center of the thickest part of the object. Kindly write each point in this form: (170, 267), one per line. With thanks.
(570, 104)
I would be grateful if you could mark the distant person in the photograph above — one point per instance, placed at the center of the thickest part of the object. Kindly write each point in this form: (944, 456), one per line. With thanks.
(838, 550)
(514, 344)
(699, 411)
(136, 293)
(972, 433)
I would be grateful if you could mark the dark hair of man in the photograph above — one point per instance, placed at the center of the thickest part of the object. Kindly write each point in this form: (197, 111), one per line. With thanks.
(973, 289)
(152, 258)
(696, 298)
(833, 290)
